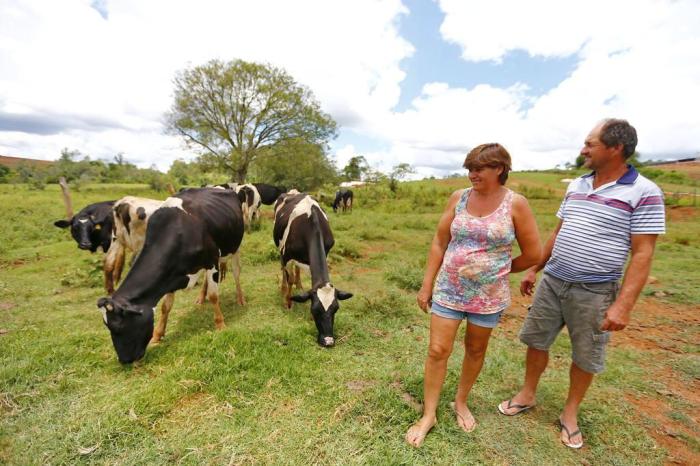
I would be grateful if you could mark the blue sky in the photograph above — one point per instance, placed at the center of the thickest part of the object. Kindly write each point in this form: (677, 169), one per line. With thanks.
(407, 80)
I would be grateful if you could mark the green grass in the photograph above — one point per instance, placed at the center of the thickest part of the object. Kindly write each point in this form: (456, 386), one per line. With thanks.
(261, 391)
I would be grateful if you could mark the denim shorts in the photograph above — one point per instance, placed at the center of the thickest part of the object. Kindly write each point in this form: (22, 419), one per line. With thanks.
(579, 306)
(481, 320)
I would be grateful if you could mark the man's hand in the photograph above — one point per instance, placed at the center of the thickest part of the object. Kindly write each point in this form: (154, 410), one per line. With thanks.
(616, 318)
(423, 298)
(527, 284)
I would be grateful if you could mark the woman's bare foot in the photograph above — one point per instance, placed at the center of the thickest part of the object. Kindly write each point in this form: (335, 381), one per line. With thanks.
(417, 432)
(465, 419)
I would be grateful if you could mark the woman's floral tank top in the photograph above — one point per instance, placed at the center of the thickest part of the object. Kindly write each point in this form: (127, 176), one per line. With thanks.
(473, 276)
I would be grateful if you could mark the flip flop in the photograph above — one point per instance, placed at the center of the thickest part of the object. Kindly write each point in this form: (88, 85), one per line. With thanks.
(464, 421)
(569, 434)
(520, 408)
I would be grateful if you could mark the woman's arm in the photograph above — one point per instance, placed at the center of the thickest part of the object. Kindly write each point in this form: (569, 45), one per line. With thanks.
(526, 234)
(437, 251)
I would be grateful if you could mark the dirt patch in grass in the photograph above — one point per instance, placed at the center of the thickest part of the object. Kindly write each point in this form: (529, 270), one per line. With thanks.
(6, 305)
(667, 433)
(681, 213)
(661, 331)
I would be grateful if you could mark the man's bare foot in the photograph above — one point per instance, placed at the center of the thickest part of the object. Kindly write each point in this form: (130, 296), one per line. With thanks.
(516, 405)
(417, 432)
(465, 419)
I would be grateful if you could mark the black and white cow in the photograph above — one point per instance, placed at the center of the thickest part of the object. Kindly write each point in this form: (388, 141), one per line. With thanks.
(269, 193)
(91, 228)
(196, 229)
(131, 216)
(250, 202)
(303, 236)
(343, 198)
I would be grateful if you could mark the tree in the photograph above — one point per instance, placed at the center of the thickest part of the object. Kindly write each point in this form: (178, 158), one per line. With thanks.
(355, 168)
(234, 110)
(294, 164)
(398, 173)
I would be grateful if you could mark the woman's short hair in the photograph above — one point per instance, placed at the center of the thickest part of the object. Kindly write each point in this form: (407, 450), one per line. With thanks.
(489, 155)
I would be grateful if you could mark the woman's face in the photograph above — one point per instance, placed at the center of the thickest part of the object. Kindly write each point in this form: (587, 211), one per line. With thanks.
(485, 176)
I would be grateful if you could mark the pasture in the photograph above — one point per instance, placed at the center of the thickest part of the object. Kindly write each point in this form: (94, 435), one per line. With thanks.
(262, 391)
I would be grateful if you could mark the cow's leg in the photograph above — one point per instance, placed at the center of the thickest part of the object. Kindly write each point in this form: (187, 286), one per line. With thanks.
(286, 287)
(110, 265)
(202, 291)
(213, 296)
(297, 278)
(119, 264)
(236, 269)
(165, 308)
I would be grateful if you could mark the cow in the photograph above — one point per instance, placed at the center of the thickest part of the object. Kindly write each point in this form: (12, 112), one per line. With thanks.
(91, 228)
(303, 236)
(250, 202)
(131, 216)
(343, 198)
(269, 193)
(199, 228)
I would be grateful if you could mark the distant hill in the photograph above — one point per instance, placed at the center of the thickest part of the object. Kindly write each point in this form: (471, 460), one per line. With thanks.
(689, 167)
(13, 162)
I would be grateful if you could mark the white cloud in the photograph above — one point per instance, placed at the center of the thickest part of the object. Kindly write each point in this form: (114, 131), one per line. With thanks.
(99, 81)
(65, 58)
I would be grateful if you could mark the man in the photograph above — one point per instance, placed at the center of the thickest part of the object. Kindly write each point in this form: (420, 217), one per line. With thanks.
(604, 215)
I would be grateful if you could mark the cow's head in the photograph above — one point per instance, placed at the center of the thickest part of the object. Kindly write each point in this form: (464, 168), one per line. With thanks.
(324, 305)
(131, 327)
(336, 202)
(85, 229)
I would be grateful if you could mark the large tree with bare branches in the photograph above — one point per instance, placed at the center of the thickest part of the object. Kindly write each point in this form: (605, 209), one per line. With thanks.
(230, 111)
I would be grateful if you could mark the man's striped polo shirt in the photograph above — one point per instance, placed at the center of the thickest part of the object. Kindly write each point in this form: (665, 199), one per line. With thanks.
(594, 241)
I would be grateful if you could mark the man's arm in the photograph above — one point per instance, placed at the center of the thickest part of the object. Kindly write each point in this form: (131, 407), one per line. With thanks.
(618, 314)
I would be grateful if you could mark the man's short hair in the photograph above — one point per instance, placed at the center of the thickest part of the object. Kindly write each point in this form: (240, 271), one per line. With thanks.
(615, 131)
(489, 155)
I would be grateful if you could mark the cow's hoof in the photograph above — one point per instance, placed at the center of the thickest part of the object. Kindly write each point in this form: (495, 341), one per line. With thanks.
(155, 341)
(241, 302)
(199, 301)
(220, 325)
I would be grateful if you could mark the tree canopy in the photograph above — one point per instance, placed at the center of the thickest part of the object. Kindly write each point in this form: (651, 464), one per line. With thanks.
(233, 111)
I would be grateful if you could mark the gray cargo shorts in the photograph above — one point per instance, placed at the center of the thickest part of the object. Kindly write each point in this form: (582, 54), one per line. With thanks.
(579, 306)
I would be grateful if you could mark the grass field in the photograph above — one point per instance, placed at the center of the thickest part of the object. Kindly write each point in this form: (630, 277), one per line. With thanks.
(261, 391)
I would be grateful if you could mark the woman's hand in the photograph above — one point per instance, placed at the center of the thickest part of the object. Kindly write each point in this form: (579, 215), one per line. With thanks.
(423, 298)
(527, 284)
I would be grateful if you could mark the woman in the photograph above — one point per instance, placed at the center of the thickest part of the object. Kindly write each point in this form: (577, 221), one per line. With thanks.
(471, 251)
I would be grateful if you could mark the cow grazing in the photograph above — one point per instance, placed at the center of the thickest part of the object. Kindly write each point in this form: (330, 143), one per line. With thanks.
(196, 229)
(343, 199)
(303, 236)
(269, 193)
(131, 216)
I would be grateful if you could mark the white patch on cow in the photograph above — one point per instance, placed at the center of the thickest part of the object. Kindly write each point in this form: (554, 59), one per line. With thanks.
(173, 202)
(103, 311)
(326, 295)
(83, 220)
(193, 280)
(292, 263)
(302, 208)
(293, 191)
(328, 341)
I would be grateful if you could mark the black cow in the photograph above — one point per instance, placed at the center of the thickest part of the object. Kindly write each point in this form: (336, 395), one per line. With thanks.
(343, 198)
(269, 193)
(196, 229)
(303, 236)
(92, 227)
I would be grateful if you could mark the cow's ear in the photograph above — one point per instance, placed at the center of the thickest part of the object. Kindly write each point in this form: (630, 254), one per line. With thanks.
(342, 295)
(63, 223)
(301, 298)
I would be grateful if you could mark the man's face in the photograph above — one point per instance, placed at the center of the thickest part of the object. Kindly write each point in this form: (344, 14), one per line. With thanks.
(596, 154)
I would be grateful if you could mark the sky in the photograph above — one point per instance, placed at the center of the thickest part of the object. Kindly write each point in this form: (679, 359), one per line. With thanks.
(414, 81)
